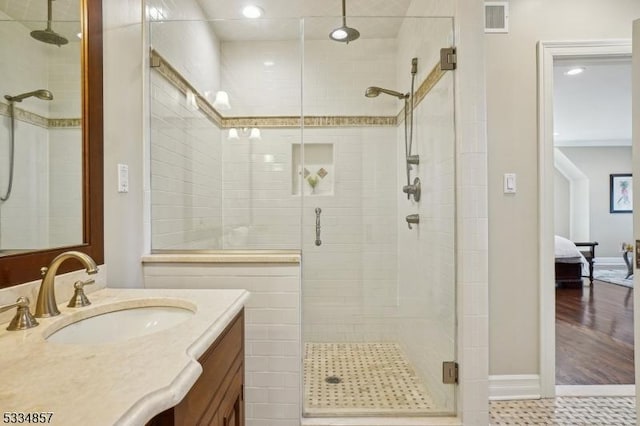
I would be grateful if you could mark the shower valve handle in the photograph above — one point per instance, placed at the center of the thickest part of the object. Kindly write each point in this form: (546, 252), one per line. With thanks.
(414, 189)
(318, 240)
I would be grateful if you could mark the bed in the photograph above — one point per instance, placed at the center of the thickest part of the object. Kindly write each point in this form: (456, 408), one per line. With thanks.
(573, 261)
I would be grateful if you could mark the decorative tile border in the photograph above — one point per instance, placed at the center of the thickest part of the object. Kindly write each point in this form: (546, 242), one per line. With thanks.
(309, 121)
(40, 121)
(174, 77)
(427, 85)
(65, 123)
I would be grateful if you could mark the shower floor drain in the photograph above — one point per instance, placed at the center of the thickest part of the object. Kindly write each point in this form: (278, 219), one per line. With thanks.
(333, 380)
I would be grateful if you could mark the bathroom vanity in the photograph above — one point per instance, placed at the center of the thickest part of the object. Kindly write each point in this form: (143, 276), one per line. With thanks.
(217, 397)
(133, 357)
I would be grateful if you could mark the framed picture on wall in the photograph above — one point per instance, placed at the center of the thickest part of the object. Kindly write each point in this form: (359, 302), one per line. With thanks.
(620, 193)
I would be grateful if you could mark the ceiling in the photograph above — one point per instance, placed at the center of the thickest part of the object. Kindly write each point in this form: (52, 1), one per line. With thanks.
(592, 108)
(281, 18)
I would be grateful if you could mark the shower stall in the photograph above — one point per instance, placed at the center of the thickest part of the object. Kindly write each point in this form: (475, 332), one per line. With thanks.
(267, 135)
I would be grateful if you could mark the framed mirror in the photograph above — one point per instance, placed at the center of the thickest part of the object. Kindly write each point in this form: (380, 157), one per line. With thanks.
(51, 135)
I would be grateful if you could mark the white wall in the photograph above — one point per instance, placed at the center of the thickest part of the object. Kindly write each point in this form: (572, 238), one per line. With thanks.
(561, 205)
(512, 127)
(124, 57)
(597, 163)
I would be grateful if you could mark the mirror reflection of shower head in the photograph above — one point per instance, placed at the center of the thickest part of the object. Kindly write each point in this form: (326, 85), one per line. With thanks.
(344, 34)
(40, 94)
(48, 35)
(374, 91)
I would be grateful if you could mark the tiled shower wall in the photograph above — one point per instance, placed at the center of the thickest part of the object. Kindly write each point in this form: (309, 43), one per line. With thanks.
(45, 207)
(186, 154)
(350, 280)
(427, 298)
(186, 176)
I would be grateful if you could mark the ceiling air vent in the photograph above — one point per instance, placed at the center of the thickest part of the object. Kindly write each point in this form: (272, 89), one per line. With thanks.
(496, 17)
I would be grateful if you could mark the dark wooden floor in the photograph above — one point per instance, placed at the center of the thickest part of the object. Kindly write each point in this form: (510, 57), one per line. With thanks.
(594, 335)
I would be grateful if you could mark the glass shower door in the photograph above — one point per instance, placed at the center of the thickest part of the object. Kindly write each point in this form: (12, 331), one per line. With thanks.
(378, 292)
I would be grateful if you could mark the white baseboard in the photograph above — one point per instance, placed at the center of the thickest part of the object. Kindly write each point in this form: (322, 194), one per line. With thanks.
(596, 390)
(521, 386)
(609, 261)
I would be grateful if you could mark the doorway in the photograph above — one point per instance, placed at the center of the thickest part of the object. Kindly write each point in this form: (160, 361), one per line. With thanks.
(571, 185)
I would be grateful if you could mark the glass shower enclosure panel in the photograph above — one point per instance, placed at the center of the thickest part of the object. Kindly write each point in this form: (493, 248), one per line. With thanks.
(378, 291)
(225, 112)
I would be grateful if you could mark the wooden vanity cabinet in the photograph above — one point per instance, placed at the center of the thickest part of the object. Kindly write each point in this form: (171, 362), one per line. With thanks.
(217, 397)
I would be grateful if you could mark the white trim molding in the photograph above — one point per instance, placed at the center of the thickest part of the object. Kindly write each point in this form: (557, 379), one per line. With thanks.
(609, 261)
(510, 387)
(547, 52)
(596, 390)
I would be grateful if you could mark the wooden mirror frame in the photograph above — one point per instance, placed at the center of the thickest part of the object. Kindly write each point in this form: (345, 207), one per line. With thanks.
(24, 267)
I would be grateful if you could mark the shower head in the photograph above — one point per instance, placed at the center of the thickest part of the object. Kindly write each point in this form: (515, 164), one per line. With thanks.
(40, 94)
(48, 35)
(374, 91)
(344, 34)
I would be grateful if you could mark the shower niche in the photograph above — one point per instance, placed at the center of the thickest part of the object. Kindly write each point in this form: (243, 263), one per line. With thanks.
(313, 169)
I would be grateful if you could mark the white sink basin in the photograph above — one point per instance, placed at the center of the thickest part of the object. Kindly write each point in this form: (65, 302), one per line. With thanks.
(121, 325)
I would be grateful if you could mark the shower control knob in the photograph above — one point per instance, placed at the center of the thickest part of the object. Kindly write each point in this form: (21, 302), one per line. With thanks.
(414, 189)
(412, 219)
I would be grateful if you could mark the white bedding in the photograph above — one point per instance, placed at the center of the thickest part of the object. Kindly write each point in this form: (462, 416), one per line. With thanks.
(567, 252)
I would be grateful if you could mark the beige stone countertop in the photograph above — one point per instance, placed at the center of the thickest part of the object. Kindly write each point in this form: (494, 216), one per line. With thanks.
(118, 383)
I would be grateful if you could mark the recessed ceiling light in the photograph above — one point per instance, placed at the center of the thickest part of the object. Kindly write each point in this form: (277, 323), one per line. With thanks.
(556, 134)
(575, 71)
(269, 63)
(252, 11)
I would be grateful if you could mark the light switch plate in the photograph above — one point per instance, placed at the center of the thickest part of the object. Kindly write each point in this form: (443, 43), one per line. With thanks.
(509, 183)
(123, 178)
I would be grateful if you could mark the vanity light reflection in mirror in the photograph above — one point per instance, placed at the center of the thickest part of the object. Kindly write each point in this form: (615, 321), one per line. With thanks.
(41, 149)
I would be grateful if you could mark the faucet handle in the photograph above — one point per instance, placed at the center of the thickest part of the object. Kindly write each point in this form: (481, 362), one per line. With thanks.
(43, 271)
(23, 318)
(79, 298)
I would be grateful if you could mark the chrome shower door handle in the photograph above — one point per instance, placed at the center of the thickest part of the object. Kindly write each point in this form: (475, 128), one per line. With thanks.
(318, 240)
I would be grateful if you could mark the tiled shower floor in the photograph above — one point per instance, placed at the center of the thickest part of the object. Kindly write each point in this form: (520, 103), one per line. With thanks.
(375, 379)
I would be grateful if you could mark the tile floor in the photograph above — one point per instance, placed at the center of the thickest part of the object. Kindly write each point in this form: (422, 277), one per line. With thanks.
(374, 378)
(566, 411)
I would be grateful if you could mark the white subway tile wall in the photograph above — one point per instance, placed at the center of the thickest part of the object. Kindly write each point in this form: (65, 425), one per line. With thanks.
(426, 255)
(272, 332)
(65, 187)
(186, 175)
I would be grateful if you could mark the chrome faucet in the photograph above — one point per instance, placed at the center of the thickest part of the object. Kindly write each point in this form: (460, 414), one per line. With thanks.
(46, 306)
